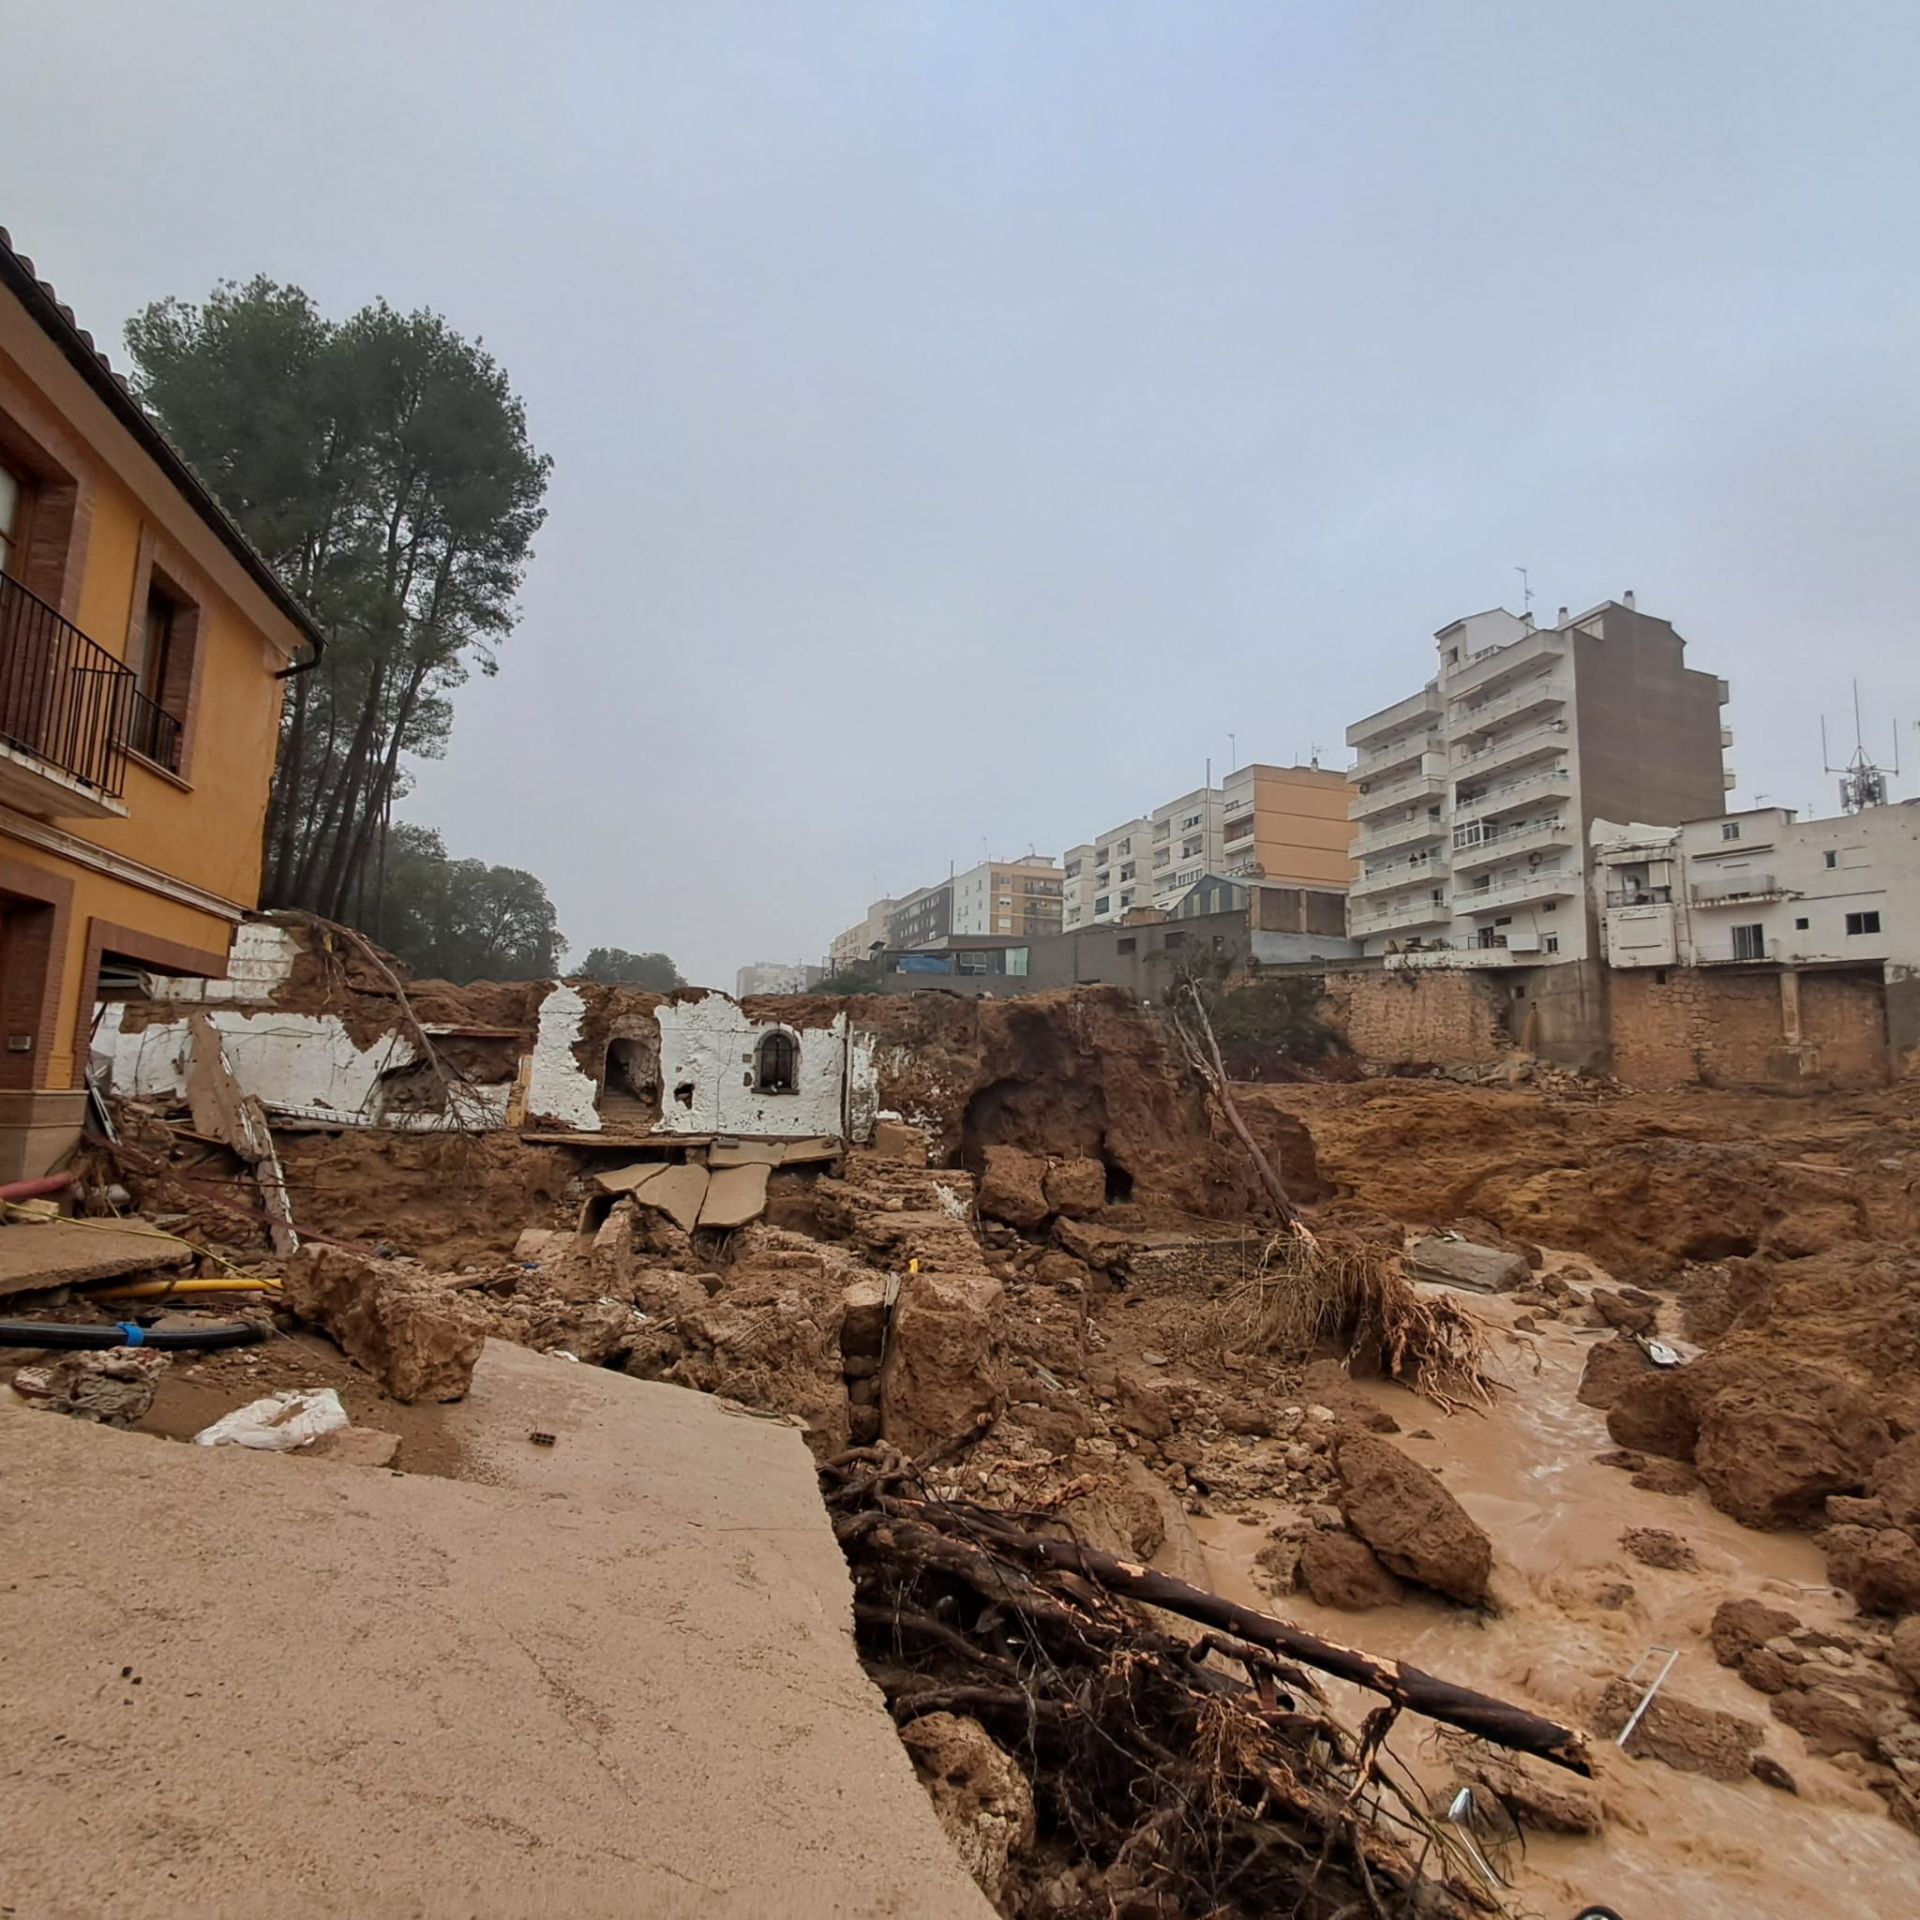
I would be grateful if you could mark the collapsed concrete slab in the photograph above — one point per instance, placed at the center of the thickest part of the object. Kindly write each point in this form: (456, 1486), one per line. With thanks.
(735, 1195)
(689, 1735)
(678, 1192)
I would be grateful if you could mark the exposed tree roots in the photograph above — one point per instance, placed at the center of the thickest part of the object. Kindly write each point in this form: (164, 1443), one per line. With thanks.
(1171, 1777)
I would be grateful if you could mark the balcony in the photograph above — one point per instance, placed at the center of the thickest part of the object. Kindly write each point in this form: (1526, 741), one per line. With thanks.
(1403, 713)
(1735, 889)
(1497, 668)
(1538, 695)
(1515, 794)
(1477, 846)
(1396, 833)
(65, 709)
(1397, 873)
(1515, 749)
(1421, 911)
(1419, 790)
(1734, 953)
(1639, 896)
(1518, 890)
(1403, 752)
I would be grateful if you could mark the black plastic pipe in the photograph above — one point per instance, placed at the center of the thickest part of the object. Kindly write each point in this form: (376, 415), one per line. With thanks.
(126, 1333)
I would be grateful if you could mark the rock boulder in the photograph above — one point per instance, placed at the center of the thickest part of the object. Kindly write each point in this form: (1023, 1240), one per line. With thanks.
(1077, 1188)
(1418, 1529)
(418, 1340)
(1341, 1571)
(980, 1795)
(942, 1376)
(1612, 1367)
(1012, 1187)
(1464, 1263)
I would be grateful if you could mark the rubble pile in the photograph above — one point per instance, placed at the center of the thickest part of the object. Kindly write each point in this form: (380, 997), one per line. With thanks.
(1044, 1299)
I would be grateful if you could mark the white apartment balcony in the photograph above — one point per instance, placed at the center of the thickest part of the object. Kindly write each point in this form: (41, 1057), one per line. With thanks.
(1737, 889)
(1497, 668)
(1406, 751)
(1388, 834)
(1513, 795)
(1515, 749)
(1541, 694)
(1478, 846)
(1372, 798)
(1403, 713)
(1398, 873)
(1518, 890)
(1729, 953)
(1421, 910)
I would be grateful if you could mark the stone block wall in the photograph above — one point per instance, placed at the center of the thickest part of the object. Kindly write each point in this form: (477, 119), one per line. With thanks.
(1706, 1026)
(1434, 1017)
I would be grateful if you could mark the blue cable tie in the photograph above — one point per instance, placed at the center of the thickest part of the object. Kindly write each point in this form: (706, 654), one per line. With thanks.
(136, 1335)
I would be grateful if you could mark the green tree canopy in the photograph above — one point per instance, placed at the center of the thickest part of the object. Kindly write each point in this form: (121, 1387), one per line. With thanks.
(462, 919)
(382, 465)
(617, 967)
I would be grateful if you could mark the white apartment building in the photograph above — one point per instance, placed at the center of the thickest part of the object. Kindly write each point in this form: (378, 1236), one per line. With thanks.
(1185, 842)
(1471, 798)
(1108, 877)
(775, 976)
(851, 947)
(1763, 887)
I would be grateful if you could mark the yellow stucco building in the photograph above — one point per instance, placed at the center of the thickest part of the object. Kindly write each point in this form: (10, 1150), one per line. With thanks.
(143, 647)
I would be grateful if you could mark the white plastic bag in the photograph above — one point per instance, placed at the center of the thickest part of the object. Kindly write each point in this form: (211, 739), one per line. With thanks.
(279, 1423)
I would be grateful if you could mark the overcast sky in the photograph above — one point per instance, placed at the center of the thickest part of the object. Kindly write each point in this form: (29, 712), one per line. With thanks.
(965, 414)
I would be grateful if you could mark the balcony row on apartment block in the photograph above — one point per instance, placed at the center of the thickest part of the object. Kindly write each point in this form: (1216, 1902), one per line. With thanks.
(1470, 799)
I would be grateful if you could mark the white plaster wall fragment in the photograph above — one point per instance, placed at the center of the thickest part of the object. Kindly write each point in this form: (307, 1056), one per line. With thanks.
(559, 1094)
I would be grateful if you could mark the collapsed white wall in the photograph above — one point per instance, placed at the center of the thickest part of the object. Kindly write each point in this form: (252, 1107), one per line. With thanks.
(307, 1066)
(300, 1066)
(709, 1073)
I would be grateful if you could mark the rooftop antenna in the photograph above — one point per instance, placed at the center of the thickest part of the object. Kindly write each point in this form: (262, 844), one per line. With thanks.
(1233, 751)
(1862, 783)
(1526, 590)
(1314, 749)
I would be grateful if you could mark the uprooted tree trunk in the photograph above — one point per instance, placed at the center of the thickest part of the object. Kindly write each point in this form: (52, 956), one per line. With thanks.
(1194, 1026)
(1308, 1290)
(1211, 1778)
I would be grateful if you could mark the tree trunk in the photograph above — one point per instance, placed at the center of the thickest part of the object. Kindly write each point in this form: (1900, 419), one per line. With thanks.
(1476, 1713)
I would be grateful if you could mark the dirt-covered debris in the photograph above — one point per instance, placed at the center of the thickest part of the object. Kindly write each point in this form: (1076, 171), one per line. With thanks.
(1679, 1732)
(112, 1387)
(403, 1324)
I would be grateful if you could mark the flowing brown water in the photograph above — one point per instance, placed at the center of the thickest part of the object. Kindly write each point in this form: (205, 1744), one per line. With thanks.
(1677, 1846)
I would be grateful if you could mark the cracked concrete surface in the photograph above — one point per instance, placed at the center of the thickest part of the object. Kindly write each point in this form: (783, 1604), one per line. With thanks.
(610, 1677)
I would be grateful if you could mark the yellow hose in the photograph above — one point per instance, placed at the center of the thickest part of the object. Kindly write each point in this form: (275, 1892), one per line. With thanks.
(161, 1289)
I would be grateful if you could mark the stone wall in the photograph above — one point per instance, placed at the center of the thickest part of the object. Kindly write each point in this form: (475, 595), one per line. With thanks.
(1434, 1017)
(1710, 1026)
(1843, 1018)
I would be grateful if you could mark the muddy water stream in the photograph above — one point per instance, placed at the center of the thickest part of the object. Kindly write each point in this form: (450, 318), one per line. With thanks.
(1677, 1846)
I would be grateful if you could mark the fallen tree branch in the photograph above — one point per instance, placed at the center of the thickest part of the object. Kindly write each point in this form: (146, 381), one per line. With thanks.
(1165, 1781)
(1203, 1054)
(1424, 1693)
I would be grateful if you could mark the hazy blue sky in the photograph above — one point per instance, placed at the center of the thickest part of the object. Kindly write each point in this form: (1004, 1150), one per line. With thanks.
(965, 414)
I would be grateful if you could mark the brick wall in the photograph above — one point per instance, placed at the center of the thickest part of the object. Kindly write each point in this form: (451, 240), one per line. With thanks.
(1682, 1026)
(1455, 1018)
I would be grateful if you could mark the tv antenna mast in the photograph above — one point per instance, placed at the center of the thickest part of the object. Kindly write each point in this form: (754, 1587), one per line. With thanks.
(1526, 589)
(1862, 783)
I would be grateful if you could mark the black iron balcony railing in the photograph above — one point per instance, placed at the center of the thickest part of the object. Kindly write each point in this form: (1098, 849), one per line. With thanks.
(153, 733)
(63, 698)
